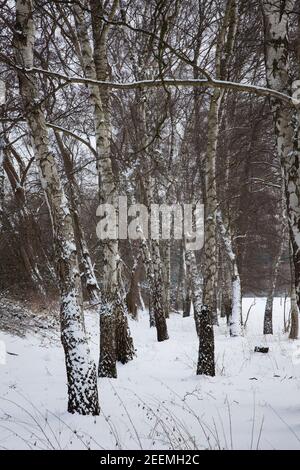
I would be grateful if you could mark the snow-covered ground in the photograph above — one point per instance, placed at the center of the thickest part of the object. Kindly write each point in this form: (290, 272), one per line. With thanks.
(158, 402)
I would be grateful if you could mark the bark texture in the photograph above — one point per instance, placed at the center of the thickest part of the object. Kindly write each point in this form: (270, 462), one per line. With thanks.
(204, 327)
(95, 64)
(235, 314)
(85, 262)
(81, 371)
(286, 118)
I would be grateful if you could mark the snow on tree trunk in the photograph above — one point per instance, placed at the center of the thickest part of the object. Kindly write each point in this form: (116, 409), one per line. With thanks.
(204, 327)
(96, 67)
(81, 371)
(153, 273)
(286, 119)
(210, 246)
(224, 48)
(157, 291)
(86, 265)
(236, 297)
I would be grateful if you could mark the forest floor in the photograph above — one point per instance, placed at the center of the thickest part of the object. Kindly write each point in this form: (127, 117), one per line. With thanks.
(158, 402)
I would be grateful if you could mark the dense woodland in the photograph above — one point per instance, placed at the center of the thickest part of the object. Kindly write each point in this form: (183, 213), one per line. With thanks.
(165, 102)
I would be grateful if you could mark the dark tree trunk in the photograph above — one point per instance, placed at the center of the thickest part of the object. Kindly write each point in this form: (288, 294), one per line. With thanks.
(268, 319)
(107, 362)
(206, 363)
(124, 343)
(133, 297)
(187, 303)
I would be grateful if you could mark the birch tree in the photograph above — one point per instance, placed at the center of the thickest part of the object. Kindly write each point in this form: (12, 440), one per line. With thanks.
(236, 295)
(85, 262)
(224, 47)
(81, 371)
(113, 321)
(286, 119)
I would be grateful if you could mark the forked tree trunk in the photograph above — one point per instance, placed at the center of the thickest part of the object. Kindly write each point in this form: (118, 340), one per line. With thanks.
(204, 327)
(81, 370)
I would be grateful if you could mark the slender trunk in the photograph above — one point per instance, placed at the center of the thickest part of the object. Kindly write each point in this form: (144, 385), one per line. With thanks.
(2, 180)
(286, 119)
(186, 294)
(204, 327)
(268, 318)
(294, 330)
(236, 296)
(96, 67)
(81, 371)
(210, 247)
(166, 264)
(85, 263)
(27, 225)
(133, 296)
(224, 48)
(155, 284)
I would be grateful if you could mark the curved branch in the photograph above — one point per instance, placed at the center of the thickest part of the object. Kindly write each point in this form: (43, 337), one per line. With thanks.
(157, 83)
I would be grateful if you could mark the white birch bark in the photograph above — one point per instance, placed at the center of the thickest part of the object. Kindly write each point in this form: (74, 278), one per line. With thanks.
(81, 371)
(224, 49)
(88, 275)
(236, 308)
(286, 119)
(155, 281)
(204, 327)
(113, 320)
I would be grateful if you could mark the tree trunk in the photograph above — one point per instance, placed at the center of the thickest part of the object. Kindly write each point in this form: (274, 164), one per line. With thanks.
(155, 284)
(186, 294)
(204, 327)
(81, 371)
(286, 119)
(85, 263)
(268, 318)
(27, 224)
(2, 180)
(134, 294)
(96, 67)
(294, 330)
(224, 48)
(166, 265)
(236, 296)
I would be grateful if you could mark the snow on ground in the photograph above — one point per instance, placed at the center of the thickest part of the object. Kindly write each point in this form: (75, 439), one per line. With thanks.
(158, 402)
